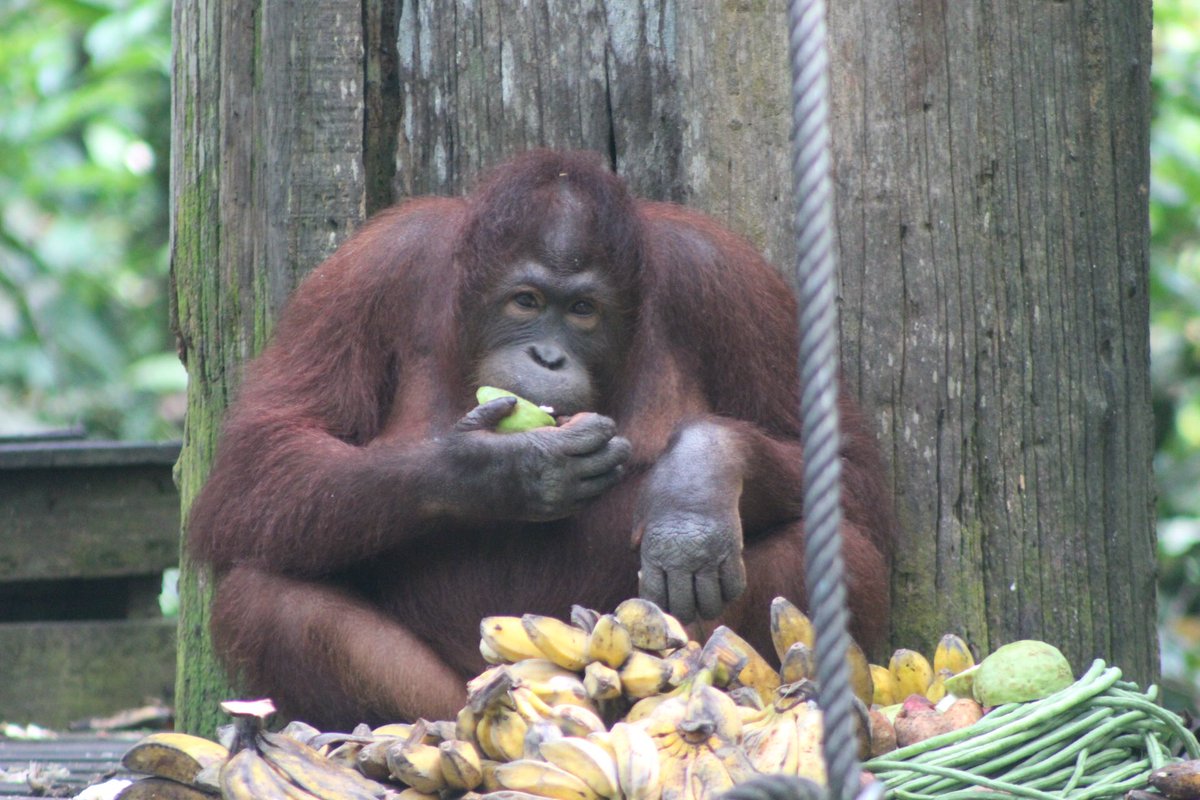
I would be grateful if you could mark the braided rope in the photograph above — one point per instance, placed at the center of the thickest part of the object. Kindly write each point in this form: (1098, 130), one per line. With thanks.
(815, 276)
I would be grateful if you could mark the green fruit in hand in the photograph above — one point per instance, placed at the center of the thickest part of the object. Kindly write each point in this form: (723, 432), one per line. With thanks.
(1021, 671)
(524, 416)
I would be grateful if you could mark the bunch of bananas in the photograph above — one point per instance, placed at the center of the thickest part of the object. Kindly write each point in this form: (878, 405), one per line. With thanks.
(621, 705)
(265, 764)
(178, 766)
(909, 672)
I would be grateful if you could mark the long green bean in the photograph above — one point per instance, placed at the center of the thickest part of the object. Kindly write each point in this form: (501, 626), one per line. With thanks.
(1097, 738)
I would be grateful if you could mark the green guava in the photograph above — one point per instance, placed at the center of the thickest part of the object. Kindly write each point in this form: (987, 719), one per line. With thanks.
(1021, 671)
(524, 417)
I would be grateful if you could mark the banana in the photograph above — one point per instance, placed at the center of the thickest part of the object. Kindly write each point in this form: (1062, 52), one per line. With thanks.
(562, 643)
(912, 671)
(417, 765)
(648, 706)
(937, 688)
(584, 618)
(176, 756)
(952, 653)
(643, 675)
(575, 720)
(799, 663)
(601, 682)
(304, 767)
(860, 673)
(601, 739)
(789, 625)
(506, 637)
(371, 760)
(489, 783)
(712, 712)
(506, 734)
(885, 686)
(412, 794)
(585, 760)
(773, 746)
(461, 765)
(638, 769)
(707, 776)
(153, 788)
(684, 662)
(610, 642)
(529, 705)
(247, 776)
(541, 778)
(533, 671)
(568, 688)
(466, 723)
(744, 665)
(537, 735)
(650, 628)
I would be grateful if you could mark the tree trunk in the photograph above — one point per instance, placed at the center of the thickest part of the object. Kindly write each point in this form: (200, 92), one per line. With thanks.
(992, 168)
(991, 171)
(267, 178)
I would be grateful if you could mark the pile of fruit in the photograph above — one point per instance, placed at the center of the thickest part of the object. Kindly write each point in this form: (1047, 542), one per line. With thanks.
(624, 706)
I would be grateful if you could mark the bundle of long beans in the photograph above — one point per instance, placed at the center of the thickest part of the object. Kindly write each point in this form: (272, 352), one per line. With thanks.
(1099, 737)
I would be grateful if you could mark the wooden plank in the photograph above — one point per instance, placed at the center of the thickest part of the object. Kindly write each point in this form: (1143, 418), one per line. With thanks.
(28, 455)
(56, 673)
(87, 522)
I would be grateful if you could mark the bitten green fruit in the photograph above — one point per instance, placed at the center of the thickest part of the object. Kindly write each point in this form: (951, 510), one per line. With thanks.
(1021, 671)
(524, 417)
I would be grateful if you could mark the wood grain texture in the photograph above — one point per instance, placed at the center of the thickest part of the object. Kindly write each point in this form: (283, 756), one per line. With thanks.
(268, 178)
(992, 211)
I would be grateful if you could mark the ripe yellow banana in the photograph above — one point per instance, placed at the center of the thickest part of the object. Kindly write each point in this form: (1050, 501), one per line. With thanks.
(533, 671)
(417, 765)
(371, 760)
(601, 682)
(610, 642)
(561, 689)
(638, 770)
(506, 731)
(152, 788)
(506, 637)
(586, 760)
(789, 625)
(799, 663)
(710, 717)
(247, 776)
(912, 671)
(937, 688)
(462, 768)
(176, 756)
(575, 720)
(705, 777)
(543, 779)
(583, 617)
(773, 745)
(643, 675)
(304, 767)
(885, 686)
(412, 794)
(953, 654)
(861, 682)
(562, 643)
(737, 663)
(650, 628)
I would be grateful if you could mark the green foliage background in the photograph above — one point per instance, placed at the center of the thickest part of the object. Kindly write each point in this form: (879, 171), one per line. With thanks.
(84, 335)
(1175, 328)
(84, 136)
